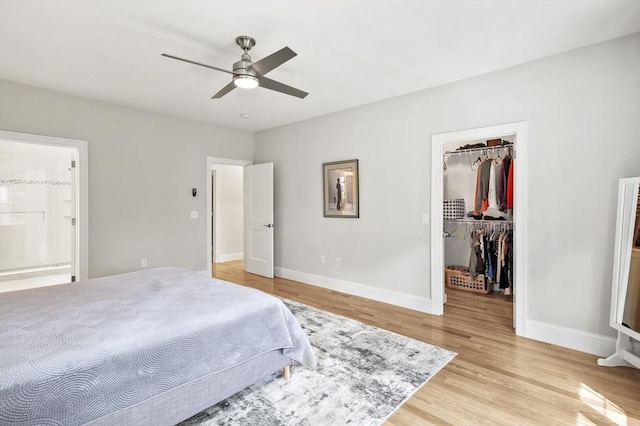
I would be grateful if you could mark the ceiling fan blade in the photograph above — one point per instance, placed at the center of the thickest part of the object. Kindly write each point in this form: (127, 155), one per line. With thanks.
(196, 63)
(226, 89)
(274, 60)
(267, 83)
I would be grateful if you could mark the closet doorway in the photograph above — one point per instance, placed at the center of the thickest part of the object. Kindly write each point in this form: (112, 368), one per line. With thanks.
(517, 133)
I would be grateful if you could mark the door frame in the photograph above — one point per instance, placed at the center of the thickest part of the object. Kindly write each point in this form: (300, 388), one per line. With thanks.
(519, 130)
(215, 224)
(211, 163)
(82, 191)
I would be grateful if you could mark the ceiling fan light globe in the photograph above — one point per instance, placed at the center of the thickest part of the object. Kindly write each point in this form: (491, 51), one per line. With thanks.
(245, 81)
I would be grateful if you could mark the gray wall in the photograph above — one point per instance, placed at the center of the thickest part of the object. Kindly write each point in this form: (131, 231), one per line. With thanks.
(583, 110)
(142, 167)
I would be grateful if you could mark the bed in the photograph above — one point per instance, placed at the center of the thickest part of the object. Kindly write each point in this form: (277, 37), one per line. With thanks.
(150, 347)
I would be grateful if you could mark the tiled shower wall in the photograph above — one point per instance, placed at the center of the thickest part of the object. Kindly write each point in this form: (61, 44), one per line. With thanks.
(35, 206)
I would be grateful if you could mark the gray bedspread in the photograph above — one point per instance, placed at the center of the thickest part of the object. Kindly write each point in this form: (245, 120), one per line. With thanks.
(73, 353)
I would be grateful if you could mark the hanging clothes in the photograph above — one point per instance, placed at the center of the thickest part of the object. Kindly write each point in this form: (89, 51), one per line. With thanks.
(502, 183)
(479, 196)
(476, 263)
(484, 188)
(489, 258)
(492, 187)
(510, 185)
(505, 279)
(500, 257)
(495, 171)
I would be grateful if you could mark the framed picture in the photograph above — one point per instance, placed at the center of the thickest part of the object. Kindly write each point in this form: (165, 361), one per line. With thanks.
(341, 189)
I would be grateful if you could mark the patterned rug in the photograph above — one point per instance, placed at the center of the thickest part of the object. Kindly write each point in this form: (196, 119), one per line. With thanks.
(364, 373)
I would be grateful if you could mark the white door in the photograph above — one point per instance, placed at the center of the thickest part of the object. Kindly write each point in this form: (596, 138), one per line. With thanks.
(258, 219)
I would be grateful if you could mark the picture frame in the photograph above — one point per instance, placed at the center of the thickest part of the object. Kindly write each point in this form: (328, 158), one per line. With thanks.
(340, 189)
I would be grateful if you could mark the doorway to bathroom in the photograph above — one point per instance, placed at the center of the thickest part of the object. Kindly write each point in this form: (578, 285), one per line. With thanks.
(40, 214)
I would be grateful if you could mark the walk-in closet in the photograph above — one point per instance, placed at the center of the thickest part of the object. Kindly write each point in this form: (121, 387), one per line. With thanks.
(478, 225)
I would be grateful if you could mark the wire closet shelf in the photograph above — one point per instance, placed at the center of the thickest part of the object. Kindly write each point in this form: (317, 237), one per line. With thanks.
(482, 150)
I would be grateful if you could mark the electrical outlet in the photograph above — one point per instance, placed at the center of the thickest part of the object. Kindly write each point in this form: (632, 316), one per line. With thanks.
(322, 260)
(338, 262)
(143, 263)
(194, 214)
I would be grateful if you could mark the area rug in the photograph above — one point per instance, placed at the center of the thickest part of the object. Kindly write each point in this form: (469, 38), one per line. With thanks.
(364, 373)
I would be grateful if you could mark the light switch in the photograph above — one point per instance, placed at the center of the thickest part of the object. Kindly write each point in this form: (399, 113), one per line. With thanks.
(425, 218)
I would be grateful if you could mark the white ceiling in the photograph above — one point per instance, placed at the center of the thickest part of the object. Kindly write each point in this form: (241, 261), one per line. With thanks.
(350, 53)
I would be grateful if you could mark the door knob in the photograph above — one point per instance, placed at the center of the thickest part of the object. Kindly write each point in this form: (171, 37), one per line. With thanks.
(268, 225)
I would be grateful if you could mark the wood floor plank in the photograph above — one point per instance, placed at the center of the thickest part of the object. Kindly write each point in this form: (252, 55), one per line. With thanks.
(497, 378)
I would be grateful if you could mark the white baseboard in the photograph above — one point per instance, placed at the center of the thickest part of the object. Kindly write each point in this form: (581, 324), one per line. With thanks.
(561, 336)
(570, 338)
(421, 304)
(231, 256)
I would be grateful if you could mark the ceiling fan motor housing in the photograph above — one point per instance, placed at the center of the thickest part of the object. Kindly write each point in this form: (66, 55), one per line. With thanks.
(243, 66)
(243, 75)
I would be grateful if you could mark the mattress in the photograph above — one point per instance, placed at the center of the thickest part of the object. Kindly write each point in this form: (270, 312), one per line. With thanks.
(74, 353)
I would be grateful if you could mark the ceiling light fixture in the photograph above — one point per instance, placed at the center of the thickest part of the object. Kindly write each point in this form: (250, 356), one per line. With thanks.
(245, 115)
(245, 81)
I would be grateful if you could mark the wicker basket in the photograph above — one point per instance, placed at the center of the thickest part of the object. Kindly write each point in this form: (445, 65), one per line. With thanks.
(453, 208)
(463, 281)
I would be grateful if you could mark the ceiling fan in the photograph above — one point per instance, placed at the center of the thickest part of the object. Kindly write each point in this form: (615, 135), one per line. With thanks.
(248, 74)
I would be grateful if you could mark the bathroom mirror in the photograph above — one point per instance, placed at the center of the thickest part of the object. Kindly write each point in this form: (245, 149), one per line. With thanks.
(625, 296)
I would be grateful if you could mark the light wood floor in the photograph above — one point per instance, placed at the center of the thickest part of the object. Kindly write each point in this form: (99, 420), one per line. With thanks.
(497, 378)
